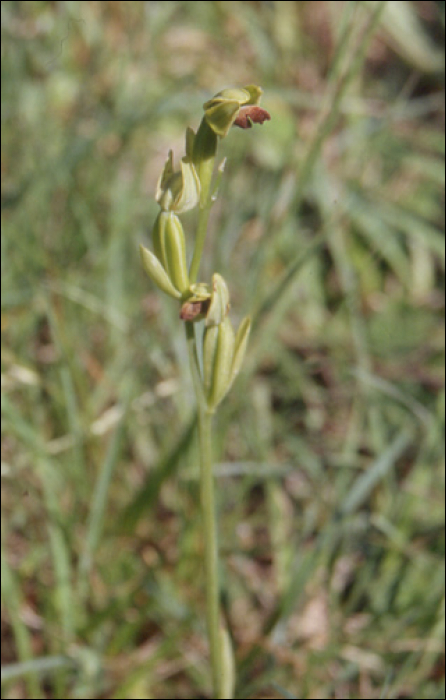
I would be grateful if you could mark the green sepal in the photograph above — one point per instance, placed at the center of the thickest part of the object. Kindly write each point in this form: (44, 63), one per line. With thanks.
(221, 116)
(157, 273)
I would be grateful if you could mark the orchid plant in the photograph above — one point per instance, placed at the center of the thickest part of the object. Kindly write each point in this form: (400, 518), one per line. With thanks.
(194, 185)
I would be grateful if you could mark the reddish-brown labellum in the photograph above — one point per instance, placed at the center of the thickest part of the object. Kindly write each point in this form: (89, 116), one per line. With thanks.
(192, 309)
(251, 114)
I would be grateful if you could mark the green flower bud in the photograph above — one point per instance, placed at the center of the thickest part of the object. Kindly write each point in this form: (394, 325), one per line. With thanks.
(223, 356)
(175, 252)
(237, 106)
(218, 356)
(178, 191)
(170, 249)
(157, 273)
(219, 305)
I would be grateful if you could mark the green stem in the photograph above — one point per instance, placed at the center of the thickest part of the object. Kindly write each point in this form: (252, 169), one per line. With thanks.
(210, 550)
(203, 218)
(209, 524)
(205, 149)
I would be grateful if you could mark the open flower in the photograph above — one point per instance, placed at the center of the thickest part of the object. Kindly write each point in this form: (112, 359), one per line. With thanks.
(235, 106)
(205, 301)
(197, 304)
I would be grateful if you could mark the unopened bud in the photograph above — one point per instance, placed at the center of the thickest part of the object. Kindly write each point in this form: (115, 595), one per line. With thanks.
(175, 253)
(218, 355)
(178, 191)
(219, 306)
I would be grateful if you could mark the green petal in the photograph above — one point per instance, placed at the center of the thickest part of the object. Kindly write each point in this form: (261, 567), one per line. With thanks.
(157, 273)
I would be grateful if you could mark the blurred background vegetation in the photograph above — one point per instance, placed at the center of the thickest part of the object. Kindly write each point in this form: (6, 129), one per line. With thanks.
(329, 228)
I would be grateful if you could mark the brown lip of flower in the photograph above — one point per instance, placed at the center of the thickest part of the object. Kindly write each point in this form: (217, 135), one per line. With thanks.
(192, 309)
(251, 114)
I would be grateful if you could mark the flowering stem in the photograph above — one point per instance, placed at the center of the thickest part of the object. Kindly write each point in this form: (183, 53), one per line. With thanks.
(211, 550)
(209, 524)
(203, 218)
(223, 350)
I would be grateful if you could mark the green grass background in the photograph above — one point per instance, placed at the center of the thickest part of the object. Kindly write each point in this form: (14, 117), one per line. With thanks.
(329, 229)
